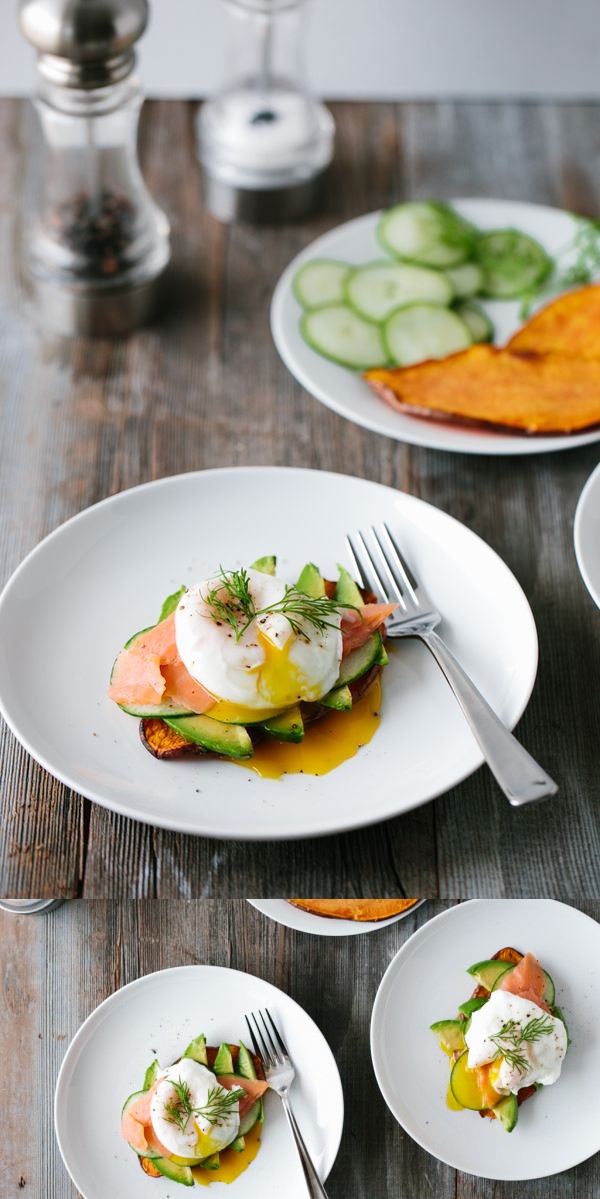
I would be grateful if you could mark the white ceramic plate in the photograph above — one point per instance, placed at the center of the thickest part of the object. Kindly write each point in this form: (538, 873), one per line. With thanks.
(157, 1016)
(587, 535)
(322, 926)
(87, 587)
(426, 981)
(346, 391)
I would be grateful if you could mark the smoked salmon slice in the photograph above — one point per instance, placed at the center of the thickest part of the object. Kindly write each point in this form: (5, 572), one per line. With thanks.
(136, 680)
(159, 641)
(526, 980)
(150, 671)
(253, 1087)
(357, 626)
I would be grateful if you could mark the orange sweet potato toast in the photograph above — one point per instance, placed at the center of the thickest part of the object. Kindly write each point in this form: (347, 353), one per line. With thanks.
(569, 325)
(550, 393)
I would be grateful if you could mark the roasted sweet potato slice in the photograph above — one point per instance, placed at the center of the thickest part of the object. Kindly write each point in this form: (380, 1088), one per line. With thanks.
(484, 385)
(164, 742)
(149, 1168)
(569, 325)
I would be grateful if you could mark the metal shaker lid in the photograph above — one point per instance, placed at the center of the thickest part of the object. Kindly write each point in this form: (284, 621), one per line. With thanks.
(84, 43)
(30, 907)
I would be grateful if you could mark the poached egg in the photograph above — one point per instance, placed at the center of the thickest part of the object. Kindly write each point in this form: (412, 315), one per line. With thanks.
(271, 666)
(193, 1137)
(542, 1057)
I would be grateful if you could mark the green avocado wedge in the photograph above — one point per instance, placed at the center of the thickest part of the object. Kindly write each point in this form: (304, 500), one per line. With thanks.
(211, 1163)
(171, 1170)
(470, 1006)
(223, 1063)
(288, 726)
(310, 581)
(487, 973)
(347, 592)
(340, 699)
(245, 1063)
(450, 1034)
(507, 1112)
(266, 565)
(229, 740)
(151, 1075)
(196, 1050)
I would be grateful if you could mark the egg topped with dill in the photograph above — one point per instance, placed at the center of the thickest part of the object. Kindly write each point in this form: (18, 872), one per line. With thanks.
(257, 644)
(192, 1115)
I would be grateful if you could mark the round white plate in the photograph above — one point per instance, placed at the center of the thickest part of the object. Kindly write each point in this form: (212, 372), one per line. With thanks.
(426, 981)
(77, 598)
(346, 391)
(285, 913)
(157, 1016)
(587, 535)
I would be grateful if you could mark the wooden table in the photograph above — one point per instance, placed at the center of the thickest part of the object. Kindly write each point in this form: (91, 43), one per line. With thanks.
(57, 968)
(82, 420)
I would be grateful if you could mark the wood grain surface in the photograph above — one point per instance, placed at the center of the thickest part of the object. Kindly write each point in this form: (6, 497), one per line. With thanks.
(81, 420)
(56, 969)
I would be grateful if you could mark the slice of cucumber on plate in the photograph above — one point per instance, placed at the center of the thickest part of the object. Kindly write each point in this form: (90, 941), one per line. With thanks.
(343, 336)
(420, 331)
(375, 290)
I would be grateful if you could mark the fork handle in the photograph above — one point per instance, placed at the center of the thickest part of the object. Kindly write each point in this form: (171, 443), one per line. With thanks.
(313, 1183)
(519, 776)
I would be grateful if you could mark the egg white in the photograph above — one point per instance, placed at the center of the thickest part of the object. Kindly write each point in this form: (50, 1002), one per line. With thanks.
(544, 1056)
(271, 667)
(199, 1138)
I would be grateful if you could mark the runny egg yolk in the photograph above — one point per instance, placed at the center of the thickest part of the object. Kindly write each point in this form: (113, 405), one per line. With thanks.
(231, 1164)
(281, 684)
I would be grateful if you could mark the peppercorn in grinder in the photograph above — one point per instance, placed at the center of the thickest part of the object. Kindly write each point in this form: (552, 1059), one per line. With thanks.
(99, 244)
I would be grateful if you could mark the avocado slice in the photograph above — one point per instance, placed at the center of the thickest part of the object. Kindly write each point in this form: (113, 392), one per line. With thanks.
(507, 1112)
(359, 661)
(487, 973)
(471, 1005)
(266, 565)
(224, 1060)
(245, 1063)
(211, 1163)
(549, 988)
(311, 582)
(347, 592)
(151, 1075)
(238, 1145)
(196, 1050)
(171, 1170)
(450, 1034)
(340, 699)
(171, 603)
(230, 740)
(287, 726)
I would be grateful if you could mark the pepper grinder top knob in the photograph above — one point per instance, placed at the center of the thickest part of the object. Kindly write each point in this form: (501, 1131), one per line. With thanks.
(84, 43)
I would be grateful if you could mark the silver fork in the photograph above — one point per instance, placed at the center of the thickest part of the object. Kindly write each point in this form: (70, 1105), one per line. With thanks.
(280, 1073)
(383, 570)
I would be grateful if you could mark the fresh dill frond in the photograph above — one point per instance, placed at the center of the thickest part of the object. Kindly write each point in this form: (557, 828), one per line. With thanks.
(576, 265)
(218, 1103)
(231, 602)
(179, 1109)
(512, 1037)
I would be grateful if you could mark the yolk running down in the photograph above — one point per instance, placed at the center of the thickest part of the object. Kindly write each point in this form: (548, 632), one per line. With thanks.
(281, 684)
(327, 743)
(232, 1164)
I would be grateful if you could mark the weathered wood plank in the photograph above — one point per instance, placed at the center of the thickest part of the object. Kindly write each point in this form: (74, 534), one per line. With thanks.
(83, 420)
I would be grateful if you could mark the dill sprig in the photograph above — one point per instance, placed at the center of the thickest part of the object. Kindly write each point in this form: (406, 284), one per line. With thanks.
(512, 1037)
(231, 602)
(577, 264)
(219, 1102)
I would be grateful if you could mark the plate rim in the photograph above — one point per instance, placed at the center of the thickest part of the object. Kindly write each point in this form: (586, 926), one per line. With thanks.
(341, 929)
(448, 913)
(333, 827)
(522, 447)
(591, 482)
(99, 1014)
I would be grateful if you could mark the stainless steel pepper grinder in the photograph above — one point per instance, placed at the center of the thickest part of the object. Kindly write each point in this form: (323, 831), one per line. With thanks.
(98, 244)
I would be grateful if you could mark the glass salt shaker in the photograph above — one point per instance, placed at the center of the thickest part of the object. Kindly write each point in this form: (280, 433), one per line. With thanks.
(99, 244)
(264, 140)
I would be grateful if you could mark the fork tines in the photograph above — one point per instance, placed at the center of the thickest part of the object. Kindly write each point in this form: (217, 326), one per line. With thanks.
(380, 566)
(268, 1045)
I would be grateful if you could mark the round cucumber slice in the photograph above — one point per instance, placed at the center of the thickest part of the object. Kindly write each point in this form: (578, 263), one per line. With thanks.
(463, 1084)
(512, 263)
(466, 279)
(426, 232)
(376, 289)
(477, 321)
(320, 281)
(343, 336)
(420, 331)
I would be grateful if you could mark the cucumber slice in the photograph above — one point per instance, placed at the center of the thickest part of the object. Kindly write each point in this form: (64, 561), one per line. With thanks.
(229, 740)
(472, 1005)
(151, 1075)
(463, 1084)
(375, 290)
(196, 1050)
(549, 989)
(359, 661)
(320, 281)
(310, 581)
(466, 279)
(347, 591)
(340, 699)
(288, 726)
(450, 1034)
(171, 1170)
(248, 1121)
(477, 321)
(224, 1060)
(266, 565)
(422, 331)
(507, 1112)
(426, 232)
(344, 337)
(512, 263)
(160, 711)
(245, 1063)
(488, 972)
